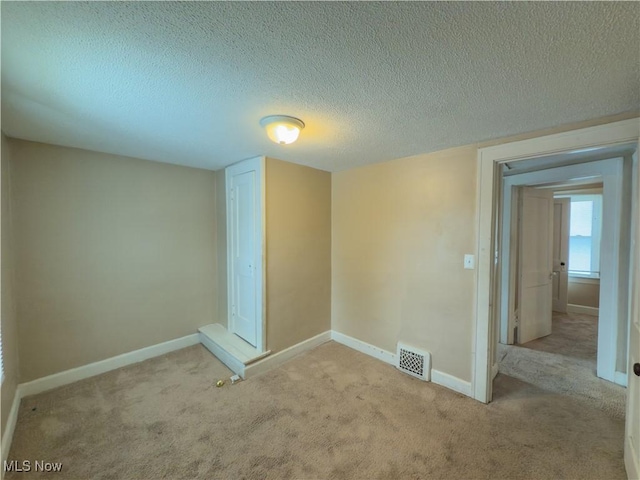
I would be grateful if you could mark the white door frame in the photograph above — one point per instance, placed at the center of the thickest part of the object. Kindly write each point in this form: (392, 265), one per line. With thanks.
(258, 163)
(561, 260)
(490, 160)
(610, 173)
(631, 457)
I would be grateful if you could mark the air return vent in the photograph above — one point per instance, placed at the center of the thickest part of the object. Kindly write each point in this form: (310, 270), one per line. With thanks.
(413, 361)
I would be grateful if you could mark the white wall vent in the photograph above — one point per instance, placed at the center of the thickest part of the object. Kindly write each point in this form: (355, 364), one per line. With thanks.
(413, 361)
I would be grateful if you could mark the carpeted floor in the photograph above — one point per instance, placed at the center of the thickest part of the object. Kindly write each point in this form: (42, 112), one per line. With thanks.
(574, 335)
(330, 413)
(565, 363)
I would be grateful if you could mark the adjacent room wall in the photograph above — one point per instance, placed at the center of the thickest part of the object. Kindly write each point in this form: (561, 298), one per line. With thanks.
(9, 323)
(112, 254)
(400, 232)
(298, 248)
(584, 292)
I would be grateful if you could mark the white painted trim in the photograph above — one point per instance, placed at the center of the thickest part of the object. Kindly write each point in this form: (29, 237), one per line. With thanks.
(631, 462)
(488, 159)
(278, 358)
(232, 343)
(509, 264)
(259, 165)
(571, 308)
(80, 373)
(482, 347)
(631, 459)
(584, 280)
(614, 133)
(620, 378)
(263, 253)
(453, 383)
(7, 435)
(364, 347)
(235, 365)
(437, 377)
(494, 370)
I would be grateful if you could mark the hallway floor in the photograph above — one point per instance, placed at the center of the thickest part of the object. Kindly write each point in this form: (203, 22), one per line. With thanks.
(574, 335)
(565, 363)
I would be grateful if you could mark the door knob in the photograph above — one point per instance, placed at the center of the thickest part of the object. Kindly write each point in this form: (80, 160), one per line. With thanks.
(636, 369)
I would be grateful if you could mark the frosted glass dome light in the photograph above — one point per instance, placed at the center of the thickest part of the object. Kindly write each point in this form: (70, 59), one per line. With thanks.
(282, 129)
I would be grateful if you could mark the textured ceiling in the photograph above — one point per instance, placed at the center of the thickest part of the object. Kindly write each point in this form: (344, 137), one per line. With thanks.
(187, 83)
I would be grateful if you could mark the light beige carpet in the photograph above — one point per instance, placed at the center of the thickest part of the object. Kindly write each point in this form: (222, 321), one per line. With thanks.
(574, 335)
(330, 413)
(565, 363)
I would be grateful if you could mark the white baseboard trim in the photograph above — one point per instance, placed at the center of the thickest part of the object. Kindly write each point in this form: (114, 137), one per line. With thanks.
(80, 373)
(620, 378)
(631, 461)
(439, 378)
(364, 347)
(451, 382)
(278, 358)
(571, 308)
(7, 435)
(234, 364)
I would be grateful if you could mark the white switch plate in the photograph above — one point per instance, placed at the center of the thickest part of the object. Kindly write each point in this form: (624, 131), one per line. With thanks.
(469, 261)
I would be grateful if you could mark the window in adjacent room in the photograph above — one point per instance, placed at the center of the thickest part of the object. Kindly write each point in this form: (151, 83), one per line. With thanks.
(584, 236)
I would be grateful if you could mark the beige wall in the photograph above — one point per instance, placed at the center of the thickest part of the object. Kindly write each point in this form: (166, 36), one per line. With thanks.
(584, 292)
(112, 254)
(9, 324)
(298, 247)
(400, 232)
(221, 229)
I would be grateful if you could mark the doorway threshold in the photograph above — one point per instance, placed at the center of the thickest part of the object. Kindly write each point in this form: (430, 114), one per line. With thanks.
(229, 348)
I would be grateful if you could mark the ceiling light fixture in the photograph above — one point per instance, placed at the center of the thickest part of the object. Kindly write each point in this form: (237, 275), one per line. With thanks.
(282, 129)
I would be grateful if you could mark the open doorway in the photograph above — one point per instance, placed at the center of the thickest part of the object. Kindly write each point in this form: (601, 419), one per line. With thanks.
(552, 286)
(488, 325)
(533, 277)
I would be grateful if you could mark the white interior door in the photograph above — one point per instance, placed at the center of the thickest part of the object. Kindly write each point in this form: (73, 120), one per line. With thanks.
(536, 263)
(632, 428)
(561, 216)
(244, 231)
